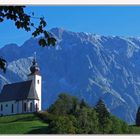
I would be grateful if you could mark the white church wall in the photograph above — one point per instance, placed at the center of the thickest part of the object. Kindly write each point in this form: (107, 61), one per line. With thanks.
(18, 107)
(7, 107)
(28, 106)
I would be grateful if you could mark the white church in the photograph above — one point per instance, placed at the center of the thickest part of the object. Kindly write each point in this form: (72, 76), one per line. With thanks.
(22, 97)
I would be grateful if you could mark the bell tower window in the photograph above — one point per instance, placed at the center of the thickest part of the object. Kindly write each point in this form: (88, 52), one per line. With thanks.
(38, 81)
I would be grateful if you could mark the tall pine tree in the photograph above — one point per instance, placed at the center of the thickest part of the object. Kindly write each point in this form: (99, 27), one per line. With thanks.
(138, 117)
(105, 122)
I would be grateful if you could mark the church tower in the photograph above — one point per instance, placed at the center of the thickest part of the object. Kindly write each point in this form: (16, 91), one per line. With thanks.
(36, 77)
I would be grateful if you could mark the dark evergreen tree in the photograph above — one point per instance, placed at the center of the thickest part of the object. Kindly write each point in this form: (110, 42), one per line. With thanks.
(138, 117)
(101, 109)
(83, 104)
(104, 117)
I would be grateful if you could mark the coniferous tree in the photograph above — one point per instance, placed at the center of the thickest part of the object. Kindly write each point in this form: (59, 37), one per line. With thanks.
(83, 104)
(138, 117)
(101, 109)
(105, 122)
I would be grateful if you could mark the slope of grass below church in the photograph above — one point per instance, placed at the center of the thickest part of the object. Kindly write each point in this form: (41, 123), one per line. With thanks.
(31, 124)
(22, 124)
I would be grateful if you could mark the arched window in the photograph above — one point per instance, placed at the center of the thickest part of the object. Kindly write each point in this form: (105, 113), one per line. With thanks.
(38, 81)
(25, 107)
(31, 106)
(12, 109)
(1, 107)
(36, 106)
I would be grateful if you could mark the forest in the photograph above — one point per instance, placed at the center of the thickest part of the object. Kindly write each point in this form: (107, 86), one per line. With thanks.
(69, 115)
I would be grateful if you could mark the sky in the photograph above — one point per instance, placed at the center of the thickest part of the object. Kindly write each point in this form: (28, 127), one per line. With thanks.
(101, 20)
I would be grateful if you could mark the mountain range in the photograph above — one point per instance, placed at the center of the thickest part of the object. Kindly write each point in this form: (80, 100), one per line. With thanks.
(85, 65)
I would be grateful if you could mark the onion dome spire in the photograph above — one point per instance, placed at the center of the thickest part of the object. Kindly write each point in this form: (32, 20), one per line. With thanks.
(34, 68)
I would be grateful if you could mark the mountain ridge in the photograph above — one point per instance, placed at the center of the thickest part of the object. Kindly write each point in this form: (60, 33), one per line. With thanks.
(86, 65)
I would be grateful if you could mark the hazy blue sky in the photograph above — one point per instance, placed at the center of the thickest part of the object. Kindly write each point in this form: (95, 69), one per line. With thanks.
(102, 20)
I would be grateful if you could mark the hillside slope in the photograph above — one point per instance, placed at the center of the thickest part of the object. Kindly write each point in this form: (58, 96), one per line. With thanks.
(86, 65)
(21, 124)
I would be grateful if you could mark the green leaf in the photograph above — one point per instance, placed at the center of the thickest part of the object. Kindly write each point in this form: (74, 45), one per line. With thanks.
(46, 34)
(42, 42)
(51, 41)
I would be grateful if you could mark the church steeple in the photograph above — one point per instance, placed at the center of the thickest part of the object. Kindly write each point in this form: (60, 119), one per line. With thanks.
(34, 69)
(36, 79)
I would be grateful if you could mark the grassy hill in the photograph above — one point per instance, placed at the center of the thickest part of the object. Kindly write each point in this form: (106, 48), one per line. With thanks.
(31, 124)
(22, 124)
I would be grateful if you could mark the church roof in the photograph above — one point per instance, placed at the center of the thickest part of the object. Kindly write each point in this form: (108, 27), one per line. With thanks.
(18, 91)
